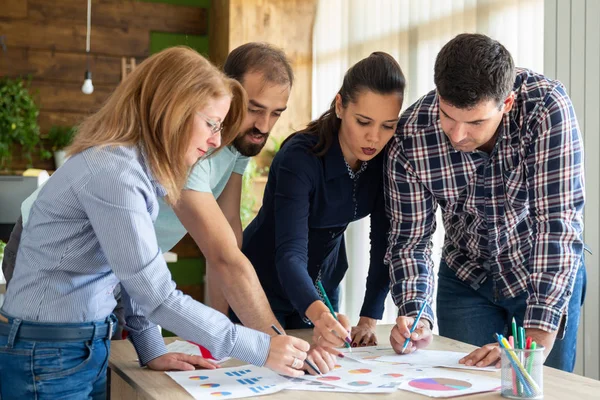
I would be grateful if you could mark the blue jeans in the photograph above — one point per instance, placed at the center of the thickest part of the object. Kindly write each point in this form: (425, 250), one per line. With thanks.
(474, 316)
(53, 370)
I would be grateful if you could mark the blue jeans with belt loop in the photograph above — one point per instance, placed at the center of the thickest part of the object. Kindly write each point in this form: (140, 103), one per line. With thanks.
(54, 369)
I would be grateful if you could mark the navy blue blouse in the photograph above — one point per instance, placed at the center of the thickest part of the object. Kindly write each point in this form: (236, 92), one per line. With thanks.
(296, 237)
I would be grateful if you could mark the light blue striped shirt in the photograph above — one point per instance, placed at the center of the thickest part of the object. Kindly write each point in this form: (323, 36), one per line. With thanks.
(92, 227)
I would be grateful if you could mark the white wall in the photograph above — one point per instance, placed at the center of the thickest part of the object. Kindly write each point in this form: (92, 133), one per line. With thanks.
(572, 55)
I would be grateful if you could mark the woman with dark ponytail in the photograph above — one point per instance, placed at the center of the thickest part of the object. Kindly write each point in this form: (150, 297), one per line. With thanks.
(323, 178)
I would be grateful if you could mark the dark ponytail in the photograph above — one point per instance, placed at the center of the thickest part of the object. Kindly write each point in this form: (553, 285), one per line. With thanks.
(379, 73)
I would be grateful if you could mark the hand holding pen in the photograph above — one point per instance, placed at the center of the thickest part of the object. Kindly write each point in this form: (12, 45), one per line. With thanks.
(410, 334)
(331, 329)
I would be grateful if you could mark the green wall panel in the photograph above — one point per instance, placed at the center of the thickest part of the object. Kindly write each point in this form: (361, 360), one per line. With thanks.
(162, 40)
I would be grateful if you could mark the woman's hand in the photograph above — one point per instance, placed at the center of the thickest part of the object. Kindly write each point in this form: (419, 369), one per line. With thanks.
(331, 334)
(287, 355)
(363, 334)
(179, 362)
(321, 358)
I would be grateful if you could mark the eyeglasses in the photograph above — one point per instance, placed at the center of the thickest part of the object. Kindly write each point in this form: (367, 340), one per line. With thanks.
(215, 127)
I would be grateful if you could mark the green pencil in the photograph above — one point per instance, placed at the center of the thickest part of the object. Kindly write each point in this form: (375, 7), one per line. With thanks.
(514, 332)
(328, 304)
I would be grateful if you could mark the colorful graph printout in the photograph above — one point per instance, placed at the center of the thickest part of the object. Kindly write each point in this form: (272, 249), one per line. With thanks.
(232, 383)
(439, 382)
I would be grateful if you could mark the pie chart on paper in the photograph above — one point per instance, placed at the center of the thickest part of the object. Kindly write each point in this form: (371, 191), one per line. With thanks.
(360, 371)
(439, 384)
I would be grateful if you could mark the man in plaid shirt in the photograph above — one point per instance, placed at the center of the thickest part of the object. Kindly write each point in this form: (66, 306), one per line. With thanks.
(498, 148)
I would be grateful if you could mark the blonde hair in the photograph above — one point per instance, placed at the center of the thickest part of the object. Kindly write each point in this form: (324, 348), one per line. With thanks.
(154, 107)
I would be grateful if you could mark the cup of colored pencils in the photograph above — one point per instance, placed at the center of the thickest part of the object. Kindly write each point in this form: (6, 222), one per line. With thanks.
(522, 373)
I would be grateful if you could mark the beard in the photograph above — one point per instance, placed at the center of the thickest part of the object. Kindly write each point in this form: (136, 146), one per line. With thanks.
(246, 147)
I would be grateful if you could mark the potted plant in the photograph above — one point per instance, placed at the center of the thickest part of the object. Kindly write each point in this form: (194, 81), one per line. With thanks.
(60, 137)
(18, 121)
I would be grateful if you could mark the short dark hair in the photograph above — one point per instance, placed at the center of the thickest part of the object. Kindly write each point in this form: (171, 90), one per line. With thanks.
(259, 57)
(472, 68)
(379, 73)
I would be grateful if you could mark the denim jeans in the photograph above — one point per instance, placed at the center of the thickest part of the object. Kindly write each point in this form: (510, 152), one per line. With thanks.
(53, 370)
(474, 316)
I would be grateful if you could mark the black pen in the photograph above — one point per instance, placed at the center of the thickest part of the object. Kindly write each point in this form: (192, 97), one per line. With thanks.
(314, 367)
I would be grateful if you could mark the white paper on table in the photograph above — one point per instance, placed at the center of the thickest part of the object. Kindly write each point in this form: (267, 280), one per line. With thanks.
(181, 346)
(233, 383)
(358, 377)
(434, 358)
(443, 383)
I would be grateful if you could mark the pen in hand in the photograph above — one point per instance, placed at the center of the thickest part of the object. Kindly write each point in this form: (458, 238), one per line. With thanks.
(414, 326)
(310, 364)
(328, 304)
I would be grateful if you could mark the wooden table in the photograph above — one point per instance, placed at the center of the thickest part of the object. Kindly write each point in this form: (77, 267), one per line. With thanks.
(129, 381)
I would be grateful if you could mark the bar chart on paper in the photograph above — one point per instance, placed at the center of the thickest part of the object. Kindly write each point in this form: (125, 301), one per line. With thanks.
(230, 382)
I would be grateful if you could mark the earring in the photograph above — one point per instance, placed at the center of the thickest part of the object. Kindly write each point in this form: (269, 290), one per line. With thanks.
(337, 115)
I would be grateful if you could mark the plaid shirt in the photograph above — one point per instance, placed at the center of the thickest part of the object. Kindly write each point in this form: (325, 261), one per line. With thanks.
(515, 214)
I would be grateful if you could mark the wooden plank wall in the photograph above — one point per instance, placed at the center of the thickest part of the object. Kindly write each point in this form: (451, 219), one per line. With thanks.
(46, 39)
(287, 24)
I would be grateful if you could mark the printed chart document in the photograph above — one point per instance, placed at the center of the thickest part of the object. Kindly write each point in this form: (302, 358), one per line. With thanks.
(233, 383)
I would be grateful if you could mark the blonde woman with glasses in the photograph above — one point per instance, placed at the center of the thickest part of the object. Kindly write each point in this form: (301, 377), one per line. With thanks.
(91, 229)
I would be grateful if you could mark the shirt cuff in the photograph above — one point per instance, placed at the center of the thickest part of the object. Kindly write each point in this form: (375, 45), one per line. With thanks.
(149, 344)
(374, 305)
(543, 317)
(305, 302)
(251, 346)
(411, 309)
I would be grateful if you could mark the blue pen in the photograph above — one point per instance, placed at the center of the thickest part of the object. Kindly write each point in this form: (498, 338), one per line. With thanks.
(414, 326)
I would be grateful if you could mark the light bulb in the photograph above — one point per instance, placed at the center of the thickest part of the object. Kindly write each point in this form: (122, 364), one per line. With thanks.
(88, 87)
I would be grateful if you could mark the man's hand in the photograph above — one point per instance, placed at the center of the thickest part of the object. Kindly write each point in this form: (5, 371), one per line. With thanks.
(363, 334)
(179, 362)
(419, 339)
(490, 353)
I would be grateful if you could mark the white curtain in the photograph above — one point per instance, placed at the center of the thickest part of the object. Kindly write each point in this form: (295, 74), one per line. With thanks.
(413, 31)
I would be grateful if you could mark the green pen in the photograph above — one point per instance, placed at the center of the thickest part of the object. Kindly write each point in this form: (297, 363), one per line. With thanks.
(328, 304)
(514, 332)
(521, 338)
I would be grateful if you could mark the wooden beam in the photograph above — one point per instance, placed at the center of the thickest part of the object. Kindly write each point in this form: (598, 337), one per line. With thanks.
(71, 38)
(218, 37)
(123, 15)
(58, 66)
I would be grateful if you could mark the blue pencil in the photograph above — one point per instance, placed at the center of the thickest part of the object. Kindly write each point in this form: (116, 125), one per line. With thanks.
(414, 326)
